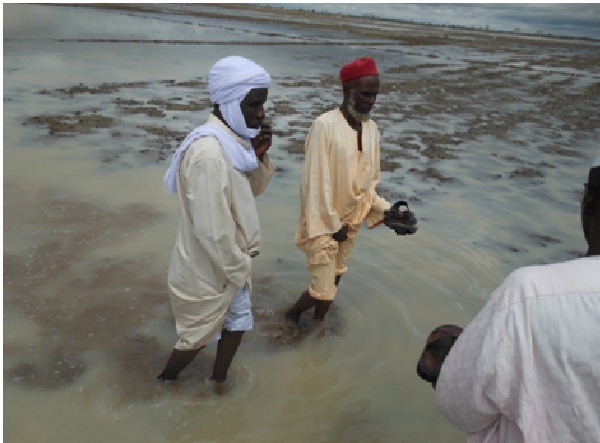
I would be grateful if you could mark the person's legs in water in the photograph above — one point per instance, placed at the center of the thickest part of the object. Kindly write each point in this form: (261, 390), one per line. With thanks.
(304, 303)
(341, 267)
(226, 349)
(322, 306)
(239, 319)
(320, 253)
(177, 362)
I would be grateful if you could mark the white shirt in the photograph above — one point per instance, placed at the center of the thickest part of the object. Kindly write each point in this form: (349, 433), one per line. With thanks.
(527, 368)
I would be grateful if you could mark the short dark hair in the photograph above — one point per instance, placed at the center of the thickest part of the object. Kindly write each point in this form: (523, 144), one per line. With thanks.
(438, 346)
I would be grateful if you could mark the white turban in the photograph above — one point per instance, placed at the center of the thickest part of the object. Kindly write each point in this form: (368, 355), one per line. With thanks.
(229, 81)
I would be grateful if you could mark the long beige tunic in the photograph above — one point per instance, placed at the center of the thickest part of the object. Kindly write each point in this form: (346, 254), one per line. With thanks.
(338, 181)
(218, 228)
(337, 188)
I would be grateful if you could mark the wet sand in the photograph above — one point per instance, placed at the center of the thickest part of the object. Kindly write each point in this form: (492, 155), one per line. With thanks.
(487, 135)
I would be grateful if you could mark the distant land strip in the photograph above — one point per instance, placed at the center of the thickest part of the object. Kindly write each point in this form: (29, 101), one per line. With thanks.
(203, 42)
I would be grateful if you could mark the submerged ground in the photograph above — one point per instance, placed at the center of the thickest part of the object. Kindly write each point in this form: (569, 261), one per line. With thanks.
(487, 135)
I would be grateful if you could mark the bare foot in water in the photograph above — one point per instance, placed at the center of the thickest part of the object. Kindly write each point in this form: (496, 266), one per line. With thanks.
(286, 333)
(319, 329)
(220, 388)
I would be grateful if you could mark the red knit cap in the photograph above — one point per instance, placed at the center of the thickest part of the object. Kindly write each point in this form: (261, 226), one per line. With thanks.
(361, 67)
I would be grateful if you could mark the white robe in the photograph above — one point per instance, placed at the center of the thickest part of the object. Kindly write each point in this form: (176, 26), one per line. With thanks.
(527, 368)
(218, 228)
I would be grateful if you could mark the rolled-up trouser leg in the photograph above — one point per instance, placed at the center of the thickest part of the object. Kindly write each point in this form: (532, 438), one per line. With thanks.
(239, 316)
(327, 260)
(344, 250)
(321, 255)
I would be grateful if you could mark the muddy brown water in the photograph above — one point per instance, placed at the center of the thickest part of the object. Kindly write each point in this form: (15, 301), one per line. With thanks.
(488, 138)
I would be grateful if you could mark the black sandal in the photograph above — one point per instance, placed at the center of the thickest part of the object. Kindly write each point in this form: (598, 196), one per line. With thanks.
(402, 222)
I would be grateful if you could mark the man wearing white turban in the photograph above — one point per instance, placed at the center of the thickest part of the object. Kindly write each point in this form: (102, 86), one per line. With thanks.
(216, 172)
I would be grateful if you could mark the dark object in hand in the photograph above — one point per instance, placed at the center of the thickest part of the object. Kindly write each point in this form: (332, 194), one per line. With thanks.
(403, 221)
(341, 235)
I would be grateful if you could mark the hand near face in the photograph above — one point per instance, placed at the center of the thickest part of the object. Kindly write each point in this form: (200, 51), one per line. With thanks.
(262, 142)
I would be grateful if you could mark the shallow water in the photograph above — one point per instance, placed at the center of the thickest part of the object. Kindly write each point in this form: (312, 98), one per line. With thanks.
(489, 142)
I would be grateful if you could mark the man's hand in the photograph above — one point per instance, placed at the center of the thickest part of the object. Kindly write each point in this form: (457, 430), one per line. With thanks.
(341, 235)
(262, 142)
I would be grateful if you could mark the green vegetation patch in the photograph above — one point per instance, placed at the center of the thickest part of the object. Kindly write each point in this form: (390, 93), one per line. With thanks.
(431, 173)
(146, 110)
(294, 147)
(105, 88)
(162, 132)
(64, 124)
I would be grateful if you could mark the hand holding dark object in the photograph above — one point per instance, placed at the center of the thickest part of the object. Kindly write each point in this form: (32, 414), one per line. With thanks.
(262, 142)
(341, 235)
(402, 221)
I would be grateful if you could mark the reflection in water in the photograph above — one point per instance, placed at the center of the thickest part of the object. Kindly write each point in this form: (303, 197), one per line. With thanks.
(489, 141)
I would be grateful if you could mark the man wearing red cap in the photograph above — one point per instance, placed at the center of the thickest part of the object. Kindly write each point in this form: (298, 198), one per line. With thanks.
(337, 192)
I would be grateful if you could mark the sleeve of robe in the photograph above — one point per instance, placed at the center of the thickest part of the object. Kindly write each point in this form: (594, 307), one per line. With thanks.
(379, 204)
(260, 177)
(208, 187)
(469, 373)
(321, 218)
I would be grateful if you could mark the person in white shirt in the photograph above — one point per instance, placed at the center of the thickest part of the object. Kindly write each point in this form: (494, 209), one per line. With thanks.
(216, 172)
(527, 367)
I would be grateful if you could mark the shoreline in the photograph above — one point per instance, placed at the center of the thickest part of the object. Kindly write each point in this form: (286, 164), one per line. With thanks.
(379, 27)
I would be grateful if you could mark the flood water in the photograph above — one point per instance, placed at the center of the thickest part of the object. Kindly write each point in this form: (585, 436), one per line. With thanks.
(488, 138)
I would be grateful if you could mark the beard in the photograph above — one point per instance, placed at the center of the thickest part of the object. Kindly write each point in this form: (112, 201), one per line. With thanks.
(358, 116)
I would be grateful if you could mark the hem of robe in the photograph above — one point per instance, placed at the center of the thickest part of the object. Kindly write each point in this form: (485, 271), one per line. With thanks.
(194, 328)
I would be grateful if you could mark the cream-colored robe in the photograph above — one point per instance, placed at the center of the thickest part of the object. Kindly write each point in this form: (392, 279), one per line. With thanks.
(338, 181)
(218, 228)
